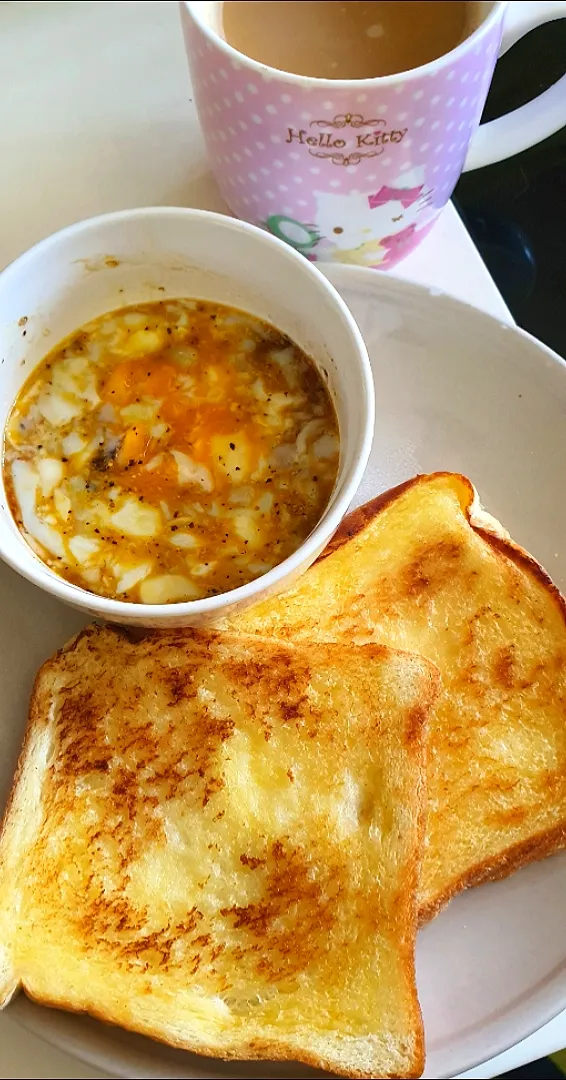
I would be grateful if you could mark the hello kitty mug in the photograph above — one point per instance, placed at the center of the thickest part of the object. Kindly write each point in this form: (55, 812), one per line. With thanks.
(357, 171)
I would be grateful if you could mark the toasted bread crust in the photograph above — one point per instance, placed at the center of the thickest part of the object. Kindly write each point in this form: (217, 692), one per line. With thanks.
(508, 862)
(483, 524)
(253, 1051)
(357, 520)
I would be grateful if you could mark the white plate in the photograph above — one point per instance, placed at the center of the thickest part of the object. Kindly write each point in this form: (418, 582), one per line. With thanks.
(455, 390)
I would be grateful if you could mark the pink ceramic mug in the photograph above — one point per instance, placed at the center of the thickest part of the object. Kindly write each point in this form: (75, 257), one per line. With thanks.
(357, 171)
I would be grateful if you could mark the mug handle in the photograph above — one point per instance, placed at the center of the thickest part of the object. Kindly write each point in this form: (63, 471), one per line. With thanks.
(539, 118)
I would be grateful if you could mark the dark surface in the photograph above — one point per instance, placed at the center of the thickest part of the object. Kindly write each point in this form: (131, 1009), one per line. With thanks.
(516, 210)
(540, 1070)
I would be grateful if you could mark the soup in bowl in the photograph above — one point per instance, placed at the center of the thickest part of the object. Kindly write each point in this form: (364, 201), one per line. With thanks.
(188, 410)
(170, 451)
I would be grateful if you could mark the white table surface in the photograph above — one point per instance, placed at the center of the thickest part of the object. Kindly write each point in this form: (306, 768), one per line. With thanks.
(96, 115)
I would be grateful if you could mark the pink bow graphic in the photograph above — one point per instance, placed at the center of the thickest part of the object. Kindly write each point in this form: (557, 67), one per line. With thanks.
(406, 196)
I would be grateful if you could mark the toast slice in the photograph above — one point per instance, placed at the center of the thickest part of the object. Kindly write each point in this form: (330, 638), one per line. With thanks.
(424, 568)
(215, 842)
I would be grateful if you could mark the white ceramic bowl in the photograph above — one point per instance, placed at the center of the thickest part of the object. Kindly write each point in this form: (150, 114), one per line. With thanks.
(143, 255)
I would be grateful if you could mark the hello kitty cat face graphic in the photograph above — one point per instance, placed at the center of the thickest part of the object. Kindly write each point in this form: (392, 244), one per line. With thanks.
(349, 220)
(393, 210)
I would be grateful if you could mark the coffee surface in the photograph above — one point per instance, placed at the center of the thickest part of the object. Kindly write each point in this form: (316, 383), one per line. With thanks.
(351, 40)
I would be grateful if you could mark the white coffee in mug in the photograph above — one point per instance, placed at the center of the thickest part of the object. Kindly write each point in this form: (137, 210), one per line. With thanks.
(337, 40)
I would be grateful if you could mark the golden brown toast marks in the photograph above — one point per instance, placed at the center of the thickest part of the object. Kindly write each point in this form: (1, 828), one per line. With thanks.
(215, 841)
(423, 568)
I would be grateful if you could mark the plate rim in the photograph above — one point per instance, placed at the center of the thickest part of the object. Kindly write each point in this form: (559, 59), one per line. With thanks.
(347, 277)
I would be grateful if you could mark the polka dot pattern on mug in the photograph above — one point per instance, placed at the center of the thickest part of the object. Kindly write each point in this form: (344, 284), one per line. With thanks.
(386, 155)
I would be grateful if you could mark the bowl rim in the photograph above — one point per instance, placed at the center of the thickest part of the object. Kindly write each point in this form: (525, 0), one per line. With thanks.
(30, 566)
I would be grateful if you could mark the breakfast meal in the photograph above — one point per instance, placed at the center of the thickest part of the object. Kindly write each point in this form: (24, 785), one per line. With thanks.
(424, 568)
(170, 451)
(281, 758)
(215, 841)
(226, 839)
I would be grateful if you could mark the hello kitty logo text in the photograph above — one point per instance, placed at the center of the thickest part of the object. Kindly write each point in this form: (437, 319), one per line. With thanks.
(351, 149)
